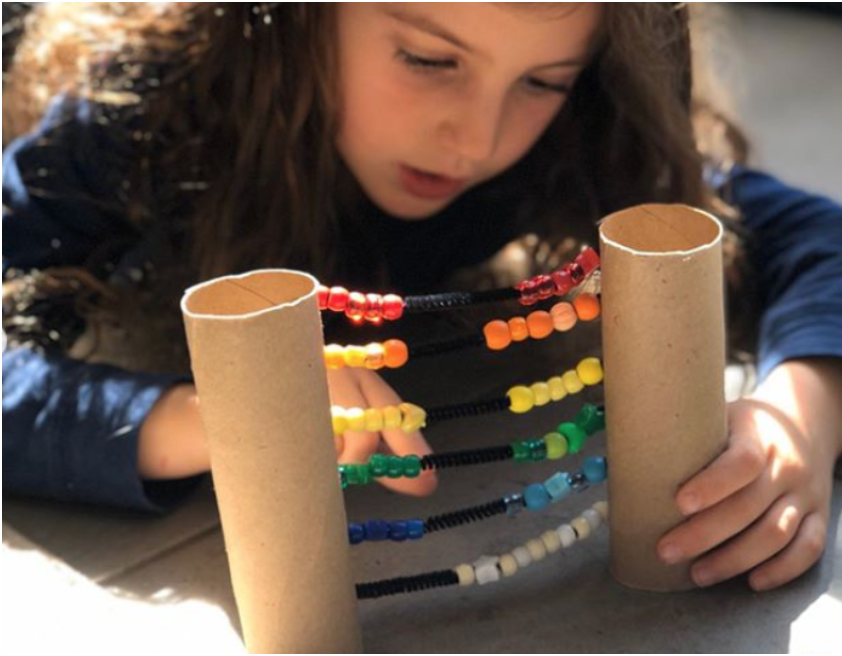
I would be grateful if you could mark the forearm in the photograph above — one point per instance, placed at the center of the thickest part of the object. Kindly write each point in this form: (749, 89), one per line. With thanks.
(809, 391)
(172, 440)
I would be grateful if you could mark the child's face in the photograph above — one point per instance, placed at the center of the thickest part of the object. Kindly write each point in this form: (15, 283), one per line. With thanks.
(436, 98)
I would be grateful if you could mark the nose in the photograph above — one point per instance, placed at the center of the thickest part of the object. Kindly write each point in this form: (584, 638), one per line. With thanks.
(473, 128)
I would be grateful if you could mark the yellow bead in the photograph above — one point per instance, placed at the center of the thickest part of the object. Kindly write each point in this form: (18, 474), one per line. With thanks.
(375, 356)
(507, 565)
(572, 383)
(355, 356)
(414, 418)
(541, 392)
(557, 391)
(340, 423)
(521, 399)
(465, 573)
(556, 445)
(590, 371)
(392, 417)
(334, 356)
(602, 508)
(536, 549)
(552, 541)
(356, 419)
(582, 527)
(374, 420)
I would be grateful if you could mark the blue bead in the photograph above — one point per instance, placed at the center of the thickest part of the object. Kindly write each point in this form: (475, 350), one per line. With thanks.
(415, 529)
(594, 469)
(398, 530)
(376, 529)
(557, 486)
(536, 496)
(578, 482)
(514, 503)
(356, 533)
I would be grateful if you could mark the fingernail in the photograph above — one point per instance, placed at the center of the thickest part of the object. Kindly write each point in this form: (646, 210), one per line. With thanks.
(689, 503)
(670, 554)
(703, 576)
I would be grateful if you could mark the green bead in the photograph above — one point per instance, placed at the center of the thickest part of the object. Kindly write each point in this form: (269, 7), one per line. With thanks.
(521, 451)
(537, 450)
(411, 466)
(357, 474)
(378, 465)
(575, 436)
(343, 477)
(556, 445)
(395, 467)
(590, 419)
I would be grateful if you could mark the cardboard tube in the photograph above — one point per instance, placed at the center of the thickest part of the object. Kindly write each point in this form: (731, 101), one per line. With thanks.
(663, 331)
(256, 350)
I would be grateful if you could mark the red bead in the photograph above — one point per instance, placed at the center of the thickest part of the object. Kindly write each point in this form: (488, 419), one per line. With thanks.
(528, 292)
(338, 300)
(546, 287)
(577, 273)
(322, 295)
(373, 307)
(356, 306)
(562, 282)
(588, 259)
(392, 307)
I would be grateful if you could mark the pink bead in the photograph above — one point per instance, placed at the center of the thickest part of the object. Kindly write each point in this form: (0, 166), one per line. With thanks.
(373, 308)
(546, 287)
(356, 306)
(577, 273)
(528, 292)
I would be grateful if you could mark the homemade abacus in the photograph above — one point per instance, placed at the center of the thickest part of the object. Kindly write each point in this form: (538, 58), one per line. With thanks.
(256, 343)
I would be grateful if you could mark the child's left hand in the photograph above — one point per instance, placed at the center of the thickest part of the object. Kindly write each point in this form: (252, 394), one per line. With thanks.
(763, 504)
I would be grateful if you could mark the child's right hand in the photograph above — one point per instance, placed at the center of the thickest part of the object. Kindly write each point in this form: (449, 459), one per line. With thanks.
(362, 388)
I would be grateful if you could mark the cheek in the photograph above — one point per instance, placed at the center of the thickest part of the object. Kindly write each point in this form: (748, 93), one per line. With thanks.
(523, 128)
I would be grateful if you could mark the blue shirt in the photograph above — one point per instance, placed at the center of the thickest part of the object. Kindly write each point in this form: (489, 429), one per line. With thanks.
(71, 428)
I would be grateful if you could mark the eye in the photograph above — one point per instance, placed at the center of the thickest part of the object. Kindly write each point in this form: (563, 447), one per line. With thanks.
(540, 86)
(423, 63)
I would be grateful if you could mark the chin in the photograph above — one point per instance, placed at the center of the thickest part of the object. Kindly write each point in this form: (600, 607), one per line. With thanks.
(410, 209)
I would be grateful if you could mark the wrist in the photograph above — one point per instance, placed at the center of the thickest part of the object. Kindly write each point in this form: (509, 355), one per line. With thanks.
(809, 392)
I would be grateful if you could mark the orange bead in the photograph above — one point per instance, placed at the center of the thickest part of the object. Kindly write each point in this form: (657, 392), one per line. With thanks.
(564, 316)
(497, 335)
(396, 353)
(518, 329)
(540, 324)
(587, 306)
(375, 356)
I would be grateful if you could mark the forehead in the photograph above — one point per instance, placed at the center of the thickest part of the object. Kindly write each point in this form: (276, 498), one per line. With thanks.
(503, 29)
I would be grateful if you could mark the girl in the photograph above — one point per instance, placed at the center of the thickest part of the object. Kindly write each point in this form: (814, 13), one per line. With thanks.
(377, 145)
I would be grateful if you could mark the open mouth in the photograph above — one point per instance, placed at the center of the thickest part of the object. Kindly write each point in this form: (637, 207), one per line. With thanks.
(424, 184)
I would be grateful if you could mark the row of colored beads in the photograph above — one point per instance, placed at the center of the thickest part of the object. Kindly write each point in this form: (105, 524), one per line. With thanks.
(534, 497)
(559, 282)
(379, 466)
(490, 569)
(538, 496)
(562, 317)
(406, 416)
(360, 307)
(570, 437)
(392, 353)
(523, 398)
(376, 530)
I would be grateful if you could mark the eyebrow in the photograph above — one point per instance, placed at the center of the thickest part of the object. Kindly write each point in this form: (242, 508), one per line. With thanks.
(430, 26)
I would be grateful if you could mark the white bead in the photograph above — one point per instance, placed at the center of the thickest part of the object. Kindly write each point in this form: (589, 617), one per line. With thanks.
(593, 517)
(507, 565)
(551, 541)
(581, 526)
(486, 570)
(536, 549)
(602, 508)
(521, 555)
(567, 535)
(465, 573)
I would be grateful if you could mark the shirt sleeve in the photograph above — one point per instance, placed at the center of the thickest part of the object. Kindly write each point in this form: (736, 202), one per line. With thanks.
(795, 248)
(71, 428)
